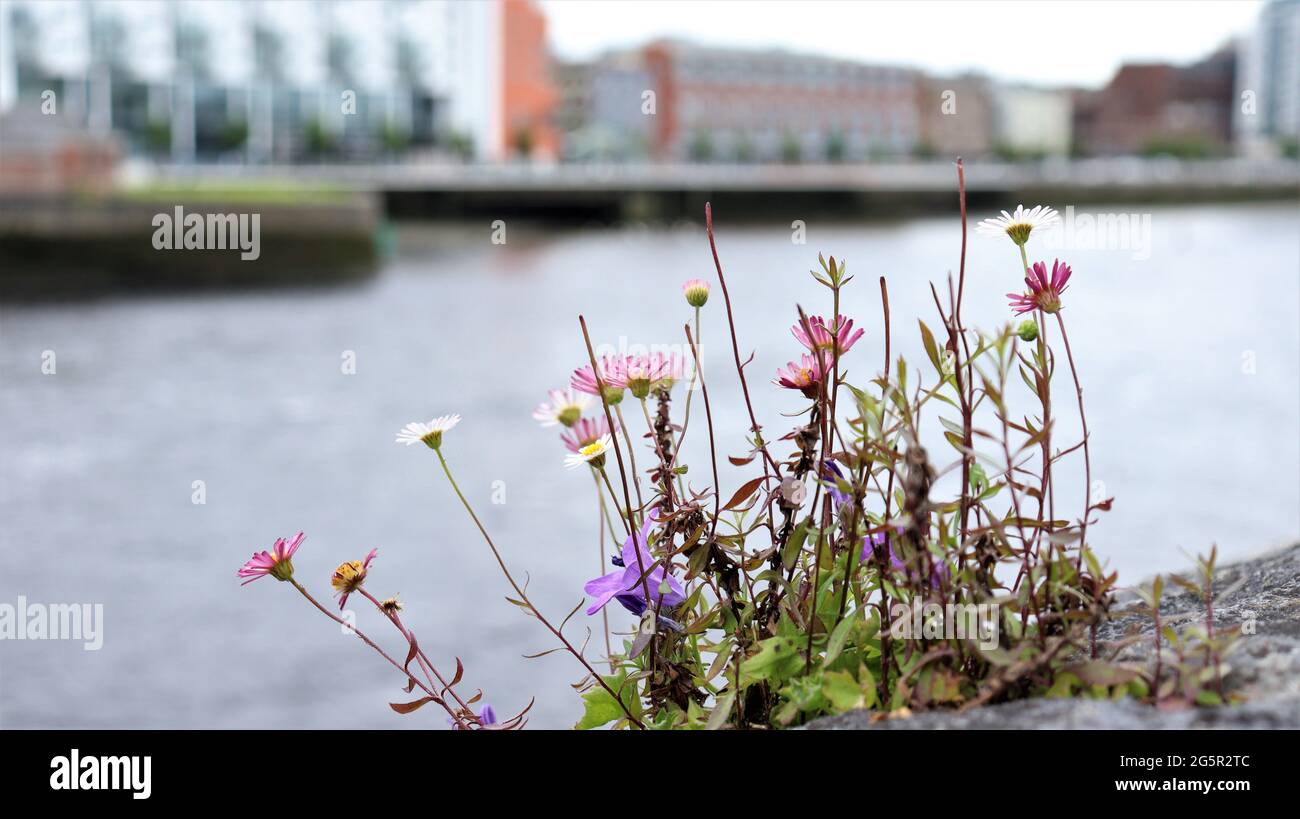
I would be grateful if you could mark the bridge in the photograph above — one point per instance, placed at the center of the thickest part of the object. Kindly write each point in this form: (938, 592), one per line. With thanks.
(675, 190)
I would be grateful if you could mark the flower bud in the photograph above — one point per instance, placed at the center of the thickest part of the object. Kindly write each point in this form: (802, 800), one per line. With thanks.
(1028, 330)
(696, 291)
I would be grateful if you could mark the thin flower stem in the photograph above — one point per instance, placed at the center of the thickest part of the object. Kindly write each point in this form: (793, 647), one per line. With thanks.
(1045, 479)
(735, 346)
(420, 656)
(690, 391)
(886, 646)
(708, 414)
(523, 595)
(717, 501)
(964, 391)
(609, 418)
(640, 563)
(604, 614)
(450, 711)
(634, 518)
(1087, 458)
(659, 451)
(606, 520)
(817, 576)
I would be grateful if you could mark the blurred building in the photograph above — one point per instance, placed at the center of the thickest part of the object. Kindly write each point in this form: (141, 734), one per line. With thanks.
(956, 115)
(528, 95)
(1267, 110)
(721, 104)
(287, 80)
(605, 108)
(1031, 122)
(1156, 108)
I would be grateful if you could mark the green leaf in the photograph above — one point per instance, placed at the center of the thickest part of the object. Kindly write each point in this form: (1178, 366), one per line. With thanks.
(721, 712)
(931, 349)
(1063, 686)
(1097, 672)
(842, 690)
(600, 708)
(777, 659)
(839, 637)
(794, 545)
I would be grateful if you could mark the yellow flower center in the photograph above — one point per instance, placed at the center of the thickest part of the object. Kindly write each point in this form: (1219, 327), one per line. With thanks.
(591, 449)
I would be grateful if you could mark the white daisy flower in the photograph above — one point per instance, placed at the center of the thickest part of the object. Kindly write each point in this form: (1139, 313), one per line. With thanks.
(1020, 224)
(593, 453)
(429, 434)
(565, 407)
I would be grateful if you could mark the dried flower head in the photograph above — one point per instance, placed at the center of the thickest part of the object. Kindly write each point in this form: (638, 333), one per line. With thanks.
(349, 576)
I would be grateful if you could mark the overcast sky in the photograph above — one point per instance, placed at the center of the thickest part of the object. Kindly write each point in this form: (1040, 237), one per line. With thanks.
(1054, 42)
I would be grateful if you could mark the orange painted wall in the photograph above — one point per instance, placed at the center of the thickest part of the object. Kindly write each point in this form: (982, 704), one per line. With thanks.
(528, 95)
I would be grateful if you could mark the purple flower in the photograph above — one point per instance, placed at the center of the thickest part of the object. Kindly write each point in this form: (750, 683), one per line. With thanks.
(876, 543)
(879, 543)
(831, 476)
(625, 585)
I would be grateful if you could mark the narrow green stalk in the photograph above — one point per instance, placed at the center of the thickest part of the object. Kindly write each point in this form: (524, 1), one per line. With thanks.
(523, 595)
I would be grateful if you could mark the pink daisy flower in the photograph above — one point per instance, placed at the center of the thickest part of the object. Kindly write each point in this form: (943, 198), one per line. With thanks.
(611, 372)
(674, 370)
(585, 432)
(276, 562)
(1044, 293)
(565, 407)
(641, 373)
(806, 376)
(827, 338)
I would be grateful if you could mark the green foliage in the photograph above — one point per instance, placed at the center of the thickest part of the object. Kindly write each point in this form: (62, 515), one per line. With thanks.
(701, 149)
(1190, 665)
(1189, 147)
(600, 708)
(319, 140)
(233, 135)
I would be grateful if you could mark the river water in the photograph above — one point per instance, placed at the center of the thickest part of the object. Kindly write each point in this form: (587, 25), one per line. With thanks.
(1188, 353)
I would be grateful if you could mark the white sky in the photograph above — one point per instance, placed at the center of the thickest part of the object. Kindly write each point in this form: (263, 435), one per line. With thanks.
(1050, 42)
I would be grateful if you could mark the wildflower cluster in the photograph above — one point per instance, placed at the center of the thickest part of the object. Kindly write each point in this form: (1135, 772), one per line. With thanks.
(851, 567)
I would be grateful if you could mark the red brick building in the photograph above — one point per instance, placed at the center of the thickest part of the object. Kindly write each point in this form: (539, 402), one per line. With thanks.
(728, 104)
(1152, 107)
